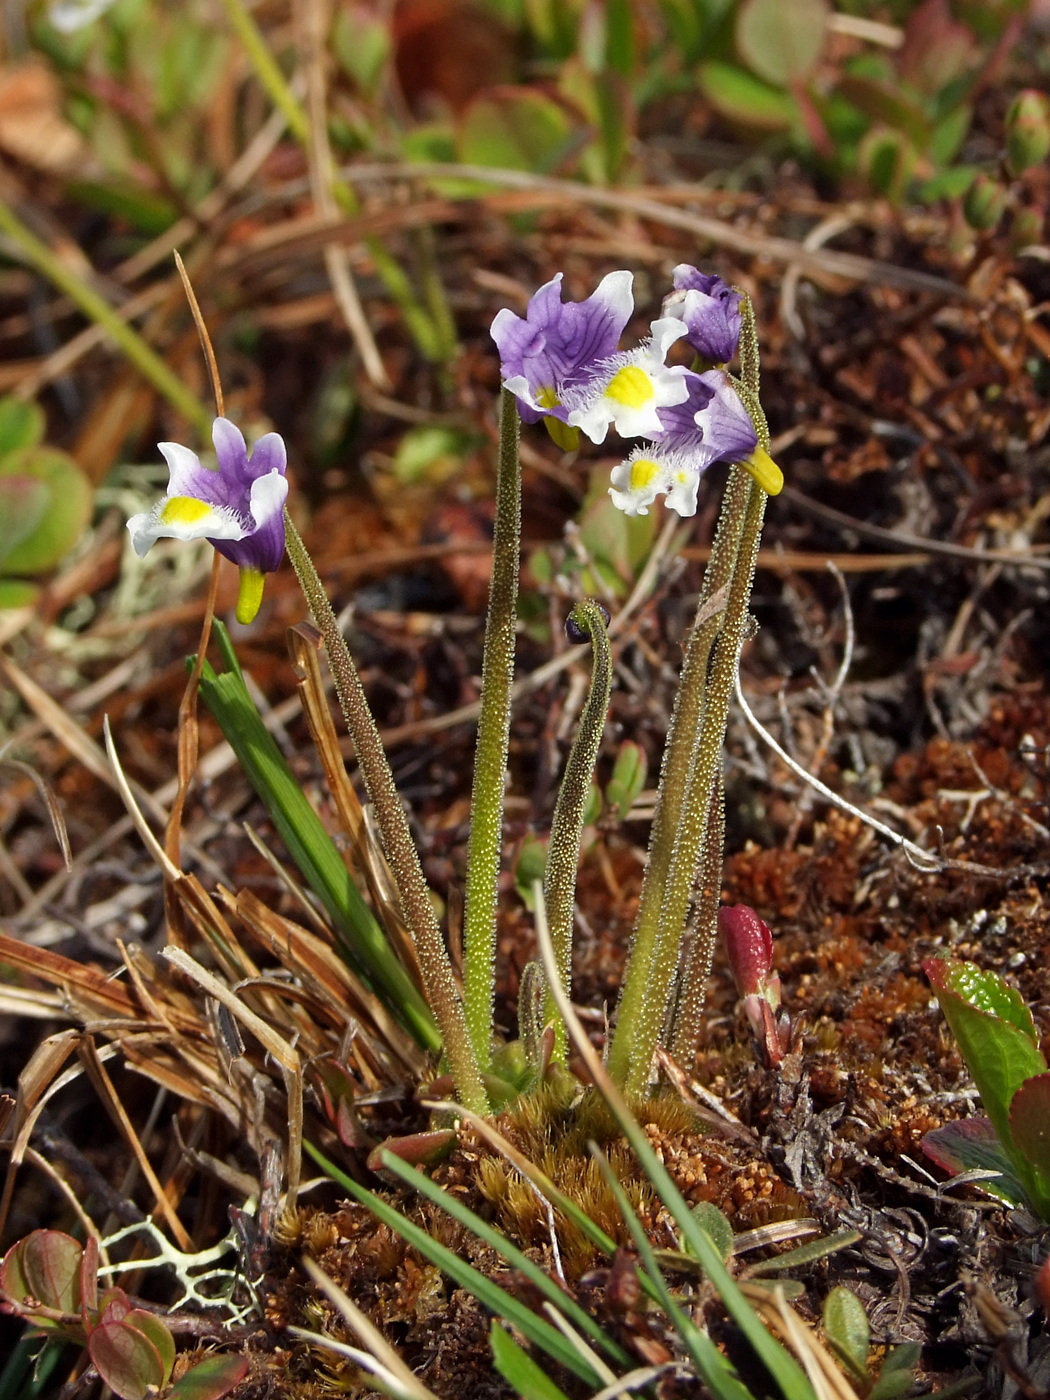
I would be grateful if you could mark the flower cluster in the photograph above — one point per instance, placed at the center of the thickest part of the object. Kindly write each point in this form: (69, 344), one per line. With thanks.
(239, 508)
(563, 364)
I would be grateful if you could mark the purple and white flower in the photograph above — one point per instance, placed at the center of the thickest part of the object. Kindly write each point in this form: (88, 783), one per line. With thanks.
(710, 425)
(628, 390)
(239, 508)
(554, 349)
(710, 309)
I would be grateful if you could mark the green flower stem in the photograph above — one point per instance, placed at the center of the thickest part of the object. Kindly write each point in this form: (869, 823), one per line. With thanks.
(145, 359)
(490, 761)
(563, 851)
(678, 761)
(693, 828)
(438, 983)
(692, 984)
(430, 340)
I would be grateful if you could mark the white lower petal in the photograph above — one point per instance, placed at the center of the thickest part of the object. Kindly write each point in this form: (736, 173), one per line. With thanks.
(183, 518)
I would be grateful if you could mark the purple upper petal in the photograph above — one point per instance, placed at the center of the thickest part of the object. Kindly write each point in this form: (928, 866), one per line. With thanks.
(558, 345)
(251, 486)
(711, 310)
(712, 422)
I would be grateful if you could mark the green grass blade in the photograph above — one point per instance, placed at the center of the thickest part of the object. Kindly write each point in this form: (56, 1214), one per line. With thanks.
(783, 1367)
(513, 1256)
(496, 1299)
(310, 846)
(519, 1370)
(714, 1369)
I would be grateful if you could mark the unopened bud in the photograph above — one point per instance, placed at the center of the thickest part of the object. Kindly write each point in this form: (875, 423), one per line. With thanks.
(749, 945)
(1027, 131)
(984, 203)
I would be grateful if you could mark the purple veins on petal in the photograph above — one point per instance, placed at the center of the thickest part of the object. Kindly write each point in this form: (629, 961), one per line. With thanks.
(238, 508)
(710, 309)
(558, 345)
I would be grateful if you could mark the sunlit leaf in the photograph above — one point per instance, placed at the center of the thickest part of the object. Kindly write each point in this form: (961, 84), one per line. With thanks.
(65, 516)
(781, 40)
(519, 1370)
(745, 99)
(210, 1379)
(847, 1328)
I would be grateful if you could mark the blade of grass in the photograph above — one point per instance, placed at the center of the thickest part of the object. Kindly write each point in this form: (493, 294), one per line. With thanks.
(714, 1369)
(496, 1299)
(782, 1367)
(310, 846)
(519, 1370)
(514, 1257)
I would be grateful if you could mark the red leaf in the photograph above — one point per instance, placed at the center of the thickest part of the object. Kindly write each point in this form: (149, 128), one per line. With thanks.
(1030, 1121)
(126, 1360)
(51, 1268)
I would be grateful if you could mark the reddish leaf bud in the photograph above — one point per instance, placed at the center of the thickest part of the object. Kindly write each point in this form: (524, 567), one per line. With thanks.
(749, 944)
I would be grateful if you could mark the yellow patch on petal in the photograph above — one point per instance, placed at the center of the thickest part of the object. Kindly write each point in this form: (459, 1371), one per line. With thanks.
(630, 386)
(184, 510)
(547, 398)
(765, 471)
(249, 597)
(643, 471)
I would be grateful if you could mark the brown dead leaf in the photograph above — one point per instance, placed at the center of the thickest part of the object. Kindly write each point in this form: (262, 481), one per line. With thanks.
(32, 127)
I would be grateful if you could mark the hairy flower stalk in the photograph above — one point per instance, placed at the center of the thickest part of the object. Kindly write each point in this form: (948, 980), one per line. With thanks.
(490, 759)
(587, 618)
(399, 848)
(689, 839)
(676, 770)
(685, 839)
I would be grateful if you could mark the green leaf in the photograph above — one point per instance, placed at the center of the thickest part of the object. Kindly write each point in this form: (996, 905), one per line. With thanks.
(898, 1372)
(64, 518)
(23, 504)
(21, 424)
(529, 867)
(17, 593)
(804, 1253)
(848, 1331)
(743, 98)
(995, 1033)
(464, 1275)
(519, 1370)
(973, 1144)
(515, 129)
(628, 778)
(210, 1379)
(884, 102)
(323, 868)
(1030, 1126)
(781, 40)
(715, 1226)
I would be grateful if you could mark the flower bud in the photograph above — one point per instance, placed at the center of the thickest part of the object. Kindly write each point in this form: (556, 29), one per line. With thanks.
(1027, 131)
(984, 203)
(749, 944)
